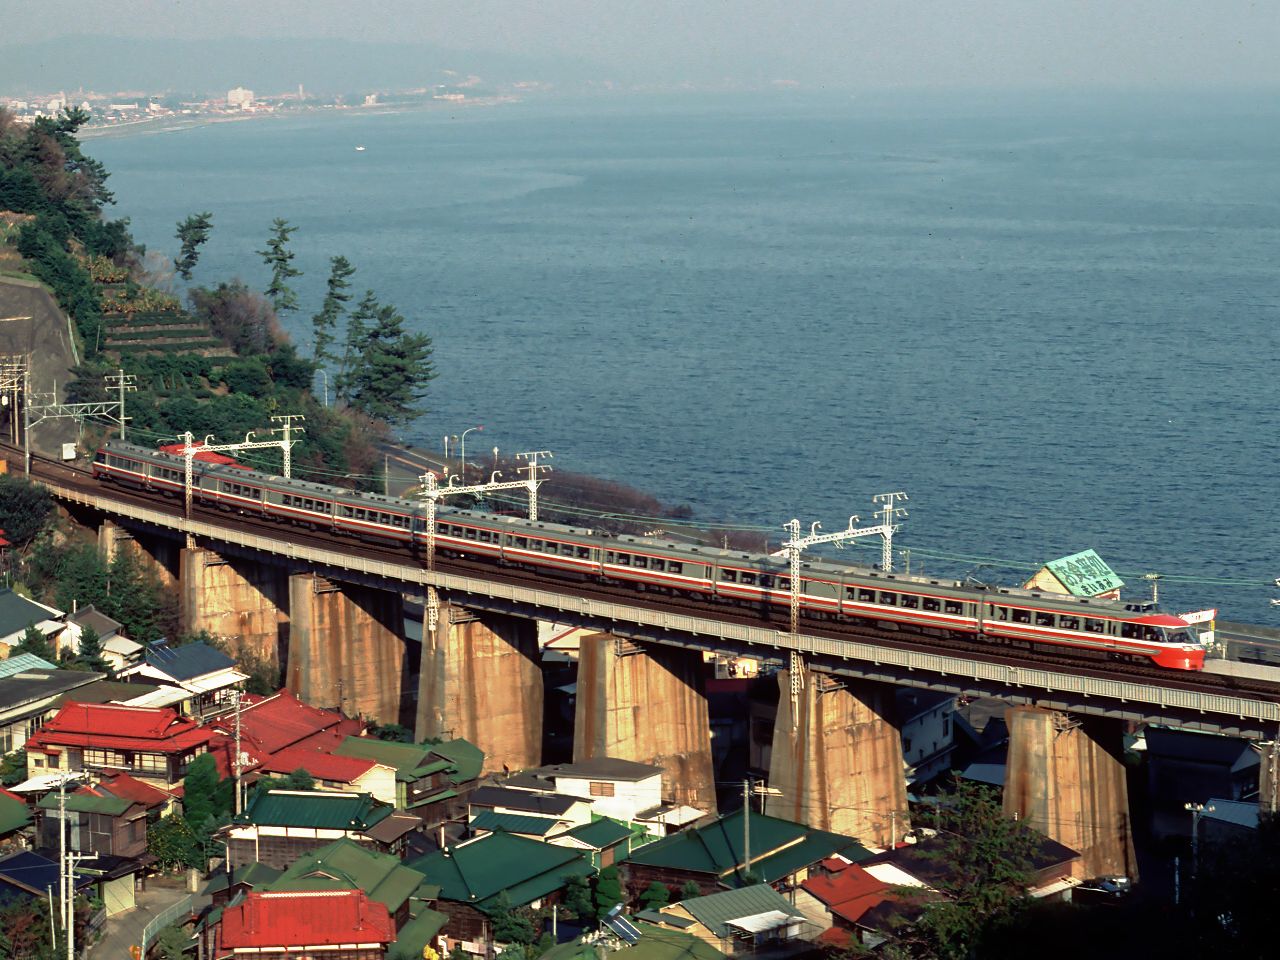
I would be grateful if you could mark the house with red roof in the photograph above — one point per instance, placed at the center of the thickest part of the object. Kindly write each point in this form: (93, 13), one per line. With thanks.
(843, 894)
(316, 924)
(155, 744)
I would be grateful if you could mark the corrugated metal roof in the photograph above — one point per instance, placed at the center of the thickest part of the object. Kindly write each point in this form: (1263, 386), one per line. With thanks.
(22, 662)
(187, 661)
(716, 911)
(601, 833)
(321, 810)
(345, 864)
(477, 870)
(513, 823)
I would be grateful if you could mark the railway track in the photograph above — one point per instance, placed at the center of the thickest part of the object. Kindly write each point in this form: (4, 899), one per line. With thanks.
(764, 617)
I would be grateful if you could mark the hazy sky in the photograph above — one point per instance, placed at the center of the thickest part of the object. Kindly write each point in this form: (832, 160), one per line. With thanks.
(885, 43)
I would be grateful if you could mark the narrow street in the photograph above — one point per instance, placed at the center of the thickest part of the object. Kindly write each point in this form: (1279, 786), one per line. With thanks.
(125, 930)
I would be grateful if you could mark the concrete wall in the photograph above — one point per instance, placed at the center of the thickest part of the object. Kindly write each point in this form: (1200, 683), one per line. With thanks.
(160, 555)
(347, 649)
(1066, 779)
(839, 764)
(646, 704)
(233, 598)
(481, 679)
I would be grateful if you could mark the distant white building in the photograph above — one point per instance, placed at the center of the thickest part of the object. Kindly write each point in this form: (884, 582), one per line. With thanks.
(240, 98)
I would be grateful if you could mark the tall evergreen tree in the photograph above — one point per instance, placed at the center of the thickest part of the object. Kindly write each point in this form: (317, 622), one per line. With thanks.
(353, 343)
(335, 303)
(90, 654)
(192, 233)
(279, 258)
(33, 641)
(390, 374)
(608, 892)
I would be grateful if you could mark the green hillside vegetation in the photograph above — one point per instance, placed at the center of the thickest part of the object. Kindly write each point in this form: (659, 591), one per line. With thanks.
(221, 365)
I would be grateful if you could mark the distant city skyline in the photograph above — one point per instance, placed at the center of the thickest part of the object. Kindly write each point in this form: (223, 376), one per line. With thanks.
(813, 43)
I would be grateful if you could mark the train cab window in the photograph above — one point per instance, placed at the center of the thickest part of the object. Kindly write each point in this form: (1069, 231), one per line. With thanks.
(952, 606)
(889, 599)
(866, 596)
(1021, 616)
(1152, 635)
(1044, 619)
(1095, 626)
(749, 578)
(1069, 623)
(657, 563)
(911, 601)
(642, 562)
(729, 576)
(675, 567)
(931, 604)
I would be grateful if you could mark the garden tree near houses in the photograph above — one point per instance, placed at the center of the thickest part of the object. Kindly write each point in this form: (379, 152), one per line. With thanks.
(509, 924)
(192, 233)
(174, 843)
(392, 370)
(336, 298)
(608, 892)
(577, 897)
(35, 642)
(655, 896)
(279, 258)
(89, 656)
(24, 510)
(689, 890)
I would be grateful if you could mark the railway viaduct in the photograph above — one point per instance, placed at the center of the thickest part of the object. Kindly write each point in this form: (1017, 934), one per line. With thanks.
(329, 612)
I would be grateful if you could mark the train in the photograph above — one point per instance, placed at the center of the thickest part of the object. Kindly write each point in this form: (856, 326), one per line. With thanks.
(1090, 629)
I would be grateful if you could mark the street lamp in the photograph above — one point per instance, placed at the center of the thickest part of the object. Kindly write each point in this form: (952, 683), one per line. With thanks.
(463, 449)
(1197, 810)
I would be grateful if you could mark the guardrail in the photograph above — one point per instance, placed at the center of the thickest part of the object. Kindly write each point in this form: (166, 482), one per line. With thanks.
(163, 919)
(549, 602)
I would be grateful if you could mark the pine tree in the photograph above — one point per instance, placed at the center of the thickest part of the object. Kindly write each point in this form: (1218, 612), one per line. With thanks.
(608, 893)
(655, 896)
(35, 642)
(357, 332)
(577, 897)
(192, 233)
(392, 370)
(90, 655)
(335, 303)
(279, 258)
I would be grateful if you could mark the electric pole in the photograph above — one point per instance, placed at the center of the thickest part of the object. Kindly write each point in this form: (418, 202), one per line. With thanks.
(122, 383)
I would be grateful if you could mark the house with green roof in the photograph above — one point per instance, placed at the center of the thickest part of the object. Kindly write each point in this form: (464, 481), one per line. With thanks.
(432, 779)
(608, 840)
(279, 826)
(475, 874)
(734, 921)
(15, 816)
(716, 856)
(655, 943)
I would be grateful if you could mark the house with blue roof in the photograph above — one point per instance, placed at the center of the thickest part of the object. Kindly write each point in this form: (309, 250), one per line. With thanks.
(194, 676)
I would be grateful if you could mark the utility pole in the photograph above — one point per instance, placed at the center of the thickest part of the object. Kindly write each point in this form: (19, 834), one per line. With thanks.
(122, 383)
(286, 444)
(235, 762)
(1197, 810)
(190, 448)
(1154, 579)
(888, 512)
(746, 827)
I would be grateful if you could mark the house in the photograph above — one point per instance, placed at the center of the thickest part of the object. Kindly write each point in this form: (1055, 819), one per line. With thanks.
(1183, 766)
(18, 612)
(112, 828)
(30, 694)
(206, 675)
(347, 865)
(1082, 574)
(154, 744)
(534, 828)
(843, 894)
(712, 856)
(226, 884)
(735, 921)
(117, 649)
(573, 811)
(279, 826)
(431, 780)
(926, 724)
(607, 840)
(15, 818)
(621, 789)
(27, 875)
(1054, 867)
(342, 924)
(1229, 821)
(651, 942)
(473, 874)
(282, 721)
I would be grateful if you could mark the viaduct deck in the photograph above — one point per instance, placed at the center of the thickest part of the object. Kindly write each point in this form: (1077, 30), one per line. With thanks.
(1222, 701)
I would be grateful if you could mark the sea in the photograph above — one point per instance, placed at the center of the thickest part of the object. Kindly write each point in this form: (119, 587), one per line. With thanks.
(1053, 323)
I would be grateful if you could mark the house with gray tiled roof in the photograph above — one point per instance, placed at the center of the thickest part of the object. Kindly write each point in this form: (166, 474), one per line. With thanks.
(18, 612)
(196, 675)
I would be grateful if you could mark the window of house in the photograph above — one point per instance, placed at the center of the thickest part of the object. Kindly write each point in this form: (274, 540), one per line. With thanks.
(601, 788)
(151, 762)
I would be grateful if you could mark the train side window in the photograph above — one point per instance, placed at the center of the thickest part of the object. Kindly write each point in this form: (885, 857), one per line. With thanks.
(360, 513)
(522, 543)
(749, 578)
(1069, 623)
(1021, 616)
(624, 559)
(951, 606)
(584, 553)
(1044, 619)
(1002, 613)
(471, 533)
(911, 601)
(784, 583)
(866, 596)
(535, 545)
(485, 536)
(675, 567)
(347, 511)
(642, 562)
(657, 563)
(1130, 631)
(766, 580)
(1152, 634)
(932, 604)
(1095, 626)
(729, 576)
(889, 599)
(609, 556)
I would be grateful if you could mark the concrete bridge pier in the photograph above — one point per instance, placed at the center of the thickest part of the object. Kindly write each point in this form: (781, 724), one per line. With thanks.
(1065, 777)
(838, 760)
(157, 554)
(347, 649)
(235, 599)
(481, 678)
(646, 703)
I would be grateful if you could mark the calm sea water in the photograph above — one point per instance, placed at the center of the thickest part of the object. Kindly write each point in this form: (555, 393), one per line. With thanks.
(1054, 330)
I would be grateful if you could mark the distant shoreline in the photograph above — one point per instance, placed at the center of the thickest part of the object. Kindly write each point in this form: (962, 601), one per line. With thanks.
(177, 124)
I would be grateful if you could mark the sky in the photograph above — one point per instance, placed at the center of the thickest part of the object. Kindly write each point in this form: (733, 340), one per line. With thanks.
(1036, 44)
